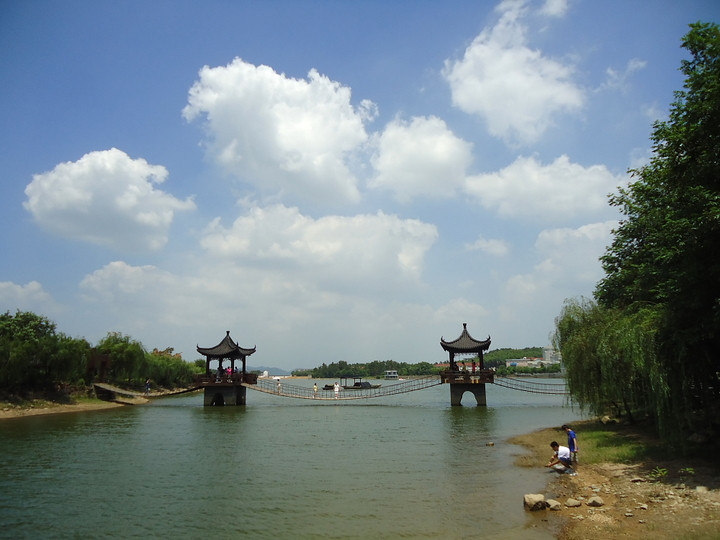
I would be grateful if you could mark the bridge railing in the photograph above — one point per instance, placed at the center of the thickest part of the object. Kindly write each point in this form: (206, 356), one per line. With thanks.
(282, 388)
(226, 378)
(478, 376)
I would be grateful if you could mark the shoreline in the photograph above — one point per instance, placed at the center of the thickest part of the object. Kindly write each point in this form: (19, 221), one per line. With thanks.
(640, 498)
(9, 411)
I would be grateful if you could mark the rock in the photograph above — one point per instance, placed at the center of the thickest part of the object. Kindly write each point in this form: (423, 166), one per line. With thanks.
(606, 420)
(637, 479)
(572, 503)
(490, 443)
(595, 501)
(701, 489)
(535, 501)
(553, 504)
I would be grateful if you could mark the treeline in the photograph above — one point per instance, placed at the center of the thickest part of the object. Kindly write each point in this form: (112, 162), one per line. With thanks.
(497, 358)
(377, 369)
(647, 346)
(34, 356)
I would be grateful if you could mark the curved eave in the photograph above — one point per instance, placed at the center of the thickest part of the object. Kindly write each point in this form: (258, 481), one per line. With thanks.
(465, 343)
(227, 348)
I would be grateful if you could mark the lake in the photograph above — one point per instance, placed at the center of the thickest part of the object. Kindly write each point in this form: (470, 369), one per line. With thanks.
(404, 466)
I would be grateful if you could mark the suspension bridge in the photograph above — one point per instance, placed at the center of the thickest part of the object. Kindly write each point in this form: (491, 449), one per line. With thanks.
(282, 388)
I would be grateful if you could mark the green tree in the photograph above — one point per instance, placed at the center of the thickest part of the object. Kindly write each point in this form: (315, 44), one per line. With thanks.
(128, 362)
(33, 356)
(657, 318)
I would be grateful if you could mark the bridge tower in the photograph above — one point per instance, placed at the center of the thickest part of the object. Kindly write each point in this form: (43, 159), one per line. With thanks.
(224, 386)
(467, 380)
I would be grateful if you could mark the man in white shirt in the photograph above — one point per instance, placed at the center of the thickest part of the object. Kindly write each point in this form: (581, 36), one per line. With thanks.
(560, 457)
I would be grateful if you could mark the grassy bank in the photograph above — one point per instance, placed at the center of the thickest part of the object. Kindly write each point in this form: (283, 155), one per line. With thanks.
(647, 490)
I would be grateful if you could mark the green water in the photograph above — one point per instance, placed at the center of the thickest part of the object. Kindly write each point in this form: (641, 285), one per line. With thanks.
(406, 466)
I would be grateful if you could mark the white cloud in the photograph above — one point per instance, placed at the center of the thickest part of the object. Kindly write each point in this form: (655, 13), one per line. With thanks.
(558, 191)
(105, 198)
(572, 255)
(516, 90)
(28, 297)
(496, 247)
(420, 158)
(618, 79)
(290, 136)
(373, 251)
(554, 8)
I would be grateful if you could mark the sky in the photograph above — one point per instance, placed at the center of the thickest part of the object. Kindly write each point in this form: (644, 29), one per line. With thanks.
(327, 180)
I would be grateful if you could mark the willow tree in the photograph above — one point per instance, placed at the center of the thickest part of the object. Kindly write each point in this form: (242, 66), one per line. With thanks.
(662, 269)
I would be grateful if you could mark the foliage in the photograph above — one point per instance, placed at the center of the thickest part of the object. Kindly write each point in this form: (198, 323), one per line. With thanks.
(34, 356)
(372, 369)
(127, 357)
(498, 357)
(650, 343)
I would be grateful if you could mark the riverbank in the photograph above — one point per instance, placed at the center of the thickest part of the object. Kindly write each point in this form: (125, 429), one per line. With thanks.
(40, 407)
(643, 493)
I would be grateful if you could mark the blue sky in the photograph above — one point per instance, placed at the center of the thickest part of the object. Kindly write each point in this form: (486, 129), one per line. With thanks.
(328, 180)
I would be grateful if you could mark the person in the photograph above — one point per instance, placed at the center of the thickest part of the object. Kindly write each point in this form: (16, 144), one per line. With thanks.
(147, 386)
(279, 387)
(572, 442)
(336, 389)
(561, 456)
(315, 390)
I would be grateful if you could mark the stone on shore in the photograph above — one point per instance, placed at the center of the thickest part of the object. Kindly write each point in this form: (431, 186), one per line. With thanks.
(535, 501)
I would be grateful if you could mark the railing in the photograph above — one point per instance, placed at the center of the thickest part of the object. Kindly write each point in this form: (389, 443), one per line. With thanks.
(478, 376)
(280, 388)
(226, 378)
(532, 386)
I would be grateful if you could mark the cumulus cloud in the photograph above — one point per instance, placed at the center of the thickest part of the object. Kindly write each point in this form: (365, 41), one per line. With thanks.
(28, 297)
(367, 250)
(572, 255)
(420, 158)
(490, 246)
(289, 136)
(105, 198)
(553, 192)
(516, 90)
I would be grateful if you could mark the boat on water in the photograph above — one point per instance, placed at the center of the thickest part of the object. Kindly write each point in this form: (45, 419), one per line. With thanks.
(358, 384)
(391, 374)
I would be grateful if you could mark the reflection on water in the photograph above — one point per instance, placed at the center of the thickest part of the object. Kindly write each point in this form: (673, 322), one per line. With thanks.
(405, 466)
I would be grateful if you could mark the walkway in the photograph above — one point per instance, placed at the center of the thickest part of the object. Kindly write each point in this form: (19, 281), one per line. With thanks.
(532, 385)
(270, 386)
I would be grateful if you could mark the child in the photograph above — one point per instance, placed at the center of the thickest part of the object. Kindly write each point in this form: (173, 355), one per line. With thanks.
(572, 443)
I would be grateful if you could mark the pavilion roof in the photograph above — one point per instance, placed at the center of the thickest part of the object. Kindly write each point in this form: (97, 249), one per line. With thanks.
(465, 343)
(227, 348)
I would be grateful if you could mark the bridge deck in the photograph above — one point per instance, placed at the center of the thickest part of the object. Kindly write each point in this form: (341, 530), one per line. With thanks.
(270, 386)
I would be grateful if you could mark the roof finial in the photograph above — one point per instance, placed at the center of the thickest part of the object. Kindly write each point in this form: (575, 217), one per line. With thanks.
(465, 325)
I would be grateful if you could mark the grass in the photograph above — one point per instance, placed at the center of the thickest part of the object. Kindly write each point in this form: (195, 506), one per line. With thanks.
(598, 443)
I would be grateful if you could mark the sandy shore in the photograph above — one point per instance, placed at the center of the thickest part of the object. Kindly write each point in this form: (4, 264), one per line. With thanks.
(8, 411)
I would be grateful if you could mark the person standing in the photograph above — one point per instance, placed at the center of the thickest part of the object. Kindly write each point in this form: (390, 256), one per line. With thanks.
(315, 390)
(336, 389)
(147, 386)
(572, 442)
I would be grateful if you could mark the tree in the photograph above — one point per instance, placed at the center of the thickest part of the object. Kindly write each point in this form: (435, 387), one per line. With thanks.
(128, 361)
(661, 267)
(33, 356)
